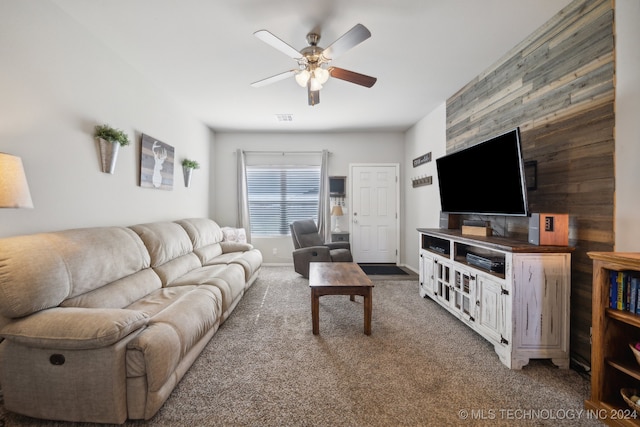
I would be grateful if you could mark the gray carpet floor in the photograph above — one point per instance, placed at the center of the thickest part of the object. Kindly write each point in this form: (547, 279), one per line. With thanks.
(420, 367)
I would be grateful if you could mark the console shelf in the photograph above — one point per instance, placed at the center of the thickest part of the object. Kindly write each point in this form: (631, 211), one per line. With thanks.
(514, 294)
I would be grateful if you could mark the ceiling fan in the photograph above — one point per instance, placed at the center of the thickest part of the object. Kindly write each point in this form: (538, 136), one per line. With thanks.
(313, 61)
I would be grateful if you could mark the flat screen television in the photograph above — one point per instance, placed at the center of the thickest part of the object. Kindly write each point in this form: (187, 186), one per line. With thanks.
(486, 179)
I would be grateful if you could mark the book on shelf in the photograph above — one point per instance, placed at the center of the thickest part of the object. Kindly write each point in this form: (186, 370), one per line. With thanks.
(624, 292)
(633, 300)
(635, 281)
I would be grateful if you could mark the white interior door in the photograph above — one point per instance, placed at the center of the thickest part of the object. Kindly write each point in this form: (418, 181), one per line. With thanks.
(374, 212)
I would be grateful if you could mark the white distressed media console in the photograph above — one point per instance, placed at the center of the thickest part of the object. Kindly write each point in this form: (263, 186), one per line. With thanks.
(519, 302)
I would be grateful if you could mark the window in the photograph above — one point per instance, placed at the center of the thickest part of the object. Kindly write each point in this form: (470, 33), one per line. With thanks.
(279, 195)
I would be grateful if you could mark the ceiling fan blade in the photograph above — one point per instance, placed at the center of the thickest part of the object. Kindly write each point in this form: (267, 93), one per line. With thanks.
(352, 76)
(273, 79)
(313, 95)
(348, 40)
(275, 42)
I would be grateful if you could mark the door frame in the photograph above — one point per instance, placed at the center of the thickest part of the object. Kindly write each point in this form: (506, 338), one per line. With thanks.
(350, 200)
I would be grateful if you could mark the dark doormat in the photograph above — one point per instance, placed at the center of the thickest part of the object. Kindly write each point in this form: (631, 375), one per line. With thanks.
(378, 269)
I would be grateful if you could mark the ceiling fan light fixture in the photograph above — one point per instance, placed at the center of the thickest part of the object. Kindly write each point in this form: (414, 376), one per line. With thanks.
(313, 61)
(303, 77)
(321, 75)
(314, 84)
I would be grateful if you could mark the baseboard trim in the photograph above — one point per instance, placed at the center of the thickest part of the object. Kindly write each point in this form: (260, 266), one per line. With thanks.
(408, 267)
(288, 264)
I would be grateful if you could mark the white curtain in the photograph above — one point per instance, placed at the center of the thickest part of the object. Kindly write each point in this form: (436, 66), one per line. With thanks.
(243, 220)
(324, 210)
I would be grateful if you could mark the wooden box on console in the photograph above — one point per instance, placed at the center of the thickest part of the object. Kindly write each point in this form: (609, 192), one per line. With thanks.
(472, 230)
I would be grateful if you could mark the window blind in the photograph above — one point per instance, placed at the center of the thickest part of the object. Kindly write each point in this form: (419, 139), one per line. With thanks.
(279, 195)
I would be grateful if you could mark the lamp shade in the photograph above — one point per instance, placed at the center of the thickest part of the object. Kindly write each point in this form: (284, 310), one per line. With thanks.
(314, 84)
(14, 190)
(321, 75)
(336, 211)
(303, 77)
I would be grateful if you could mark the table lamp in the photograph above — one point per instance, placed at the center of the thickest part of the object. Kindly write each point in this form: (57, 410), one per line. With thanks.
(14, 190)
(336, 211)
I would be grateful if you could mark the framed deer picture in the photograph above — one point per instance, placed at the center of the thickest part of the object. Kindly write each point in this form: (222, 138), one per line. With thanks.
(156, 164)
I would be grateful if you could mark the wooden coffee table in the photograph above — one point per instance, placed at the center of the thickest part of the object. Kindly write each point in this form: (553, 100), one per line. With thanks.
(339, 278)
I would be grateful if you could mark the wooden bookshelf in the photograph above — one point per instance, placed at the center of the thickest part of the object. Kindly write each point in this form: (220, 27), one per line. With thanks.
(613, 365)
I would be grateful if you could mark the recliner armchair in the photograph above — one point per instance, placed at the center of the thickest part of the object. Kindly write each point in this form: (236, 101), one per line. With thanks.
(310, 247)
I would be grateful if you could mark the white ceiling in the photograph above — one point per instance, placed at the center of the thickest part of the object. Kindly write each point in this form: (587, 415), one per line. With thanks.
(203, 54)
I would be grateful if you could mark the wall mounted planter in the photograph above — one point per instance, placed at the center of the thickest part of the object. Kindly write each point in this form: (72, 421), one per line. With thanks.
(187, 172)
(188, 166)
(108, 155)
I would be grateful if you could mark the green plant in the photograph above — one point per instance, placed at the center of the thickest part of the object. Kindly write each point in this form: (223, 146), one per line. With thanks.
(190, 164)
(110, 134)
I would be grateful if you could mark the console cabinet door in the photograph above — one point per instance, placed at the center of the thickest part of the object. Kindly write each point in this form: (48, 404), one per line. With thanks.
(490, 301)
(442, 276)
(464, 286)
(426, 274)
(542, 300)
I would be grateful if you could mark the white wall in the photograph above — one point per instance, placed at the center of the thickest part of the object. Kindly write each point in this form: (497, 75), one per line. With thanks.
(56, 84)
(345, 148)
(422, 204)
(627, 227)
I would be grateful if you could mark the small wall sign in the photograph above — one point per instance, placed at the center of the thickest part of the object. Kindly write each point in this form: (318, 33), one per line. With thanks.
(425, 158)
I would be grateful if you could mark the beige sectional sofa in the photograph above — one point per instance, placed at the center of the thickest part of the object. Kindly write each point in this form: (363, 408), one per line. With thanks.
(100, 324)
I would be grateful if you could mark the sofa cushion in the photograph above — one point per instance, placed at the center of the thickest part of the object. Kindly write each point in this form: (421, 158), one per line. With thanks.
(23, 289)
(39, 271)
(74, 328)
(159, 300)
(235, 247)
(206, 237)
(229, 279)
(250, 261)
(207, 253)
(170, 248)
(176, 268)
(183, 315)
(118, 294)
(165, 241)
(202, 231)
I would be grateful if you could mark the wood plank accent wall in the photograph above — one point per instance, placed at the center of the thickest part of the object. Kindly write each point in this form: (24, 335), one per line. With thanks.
(558, 87)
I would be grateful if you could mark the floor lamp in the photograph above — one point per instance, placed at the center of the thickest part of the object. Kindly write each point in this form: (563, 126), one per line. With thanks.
(14, 190)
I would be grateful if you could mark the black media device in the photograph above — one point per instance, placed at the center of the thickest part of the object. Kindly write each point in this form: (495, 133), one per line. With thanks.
(495, 264)
(438, 249)
(485, 179)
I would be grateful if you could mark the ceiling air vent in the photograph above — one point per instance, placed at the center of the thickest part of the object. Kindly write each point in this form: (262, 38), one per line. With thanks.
(285, 117)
